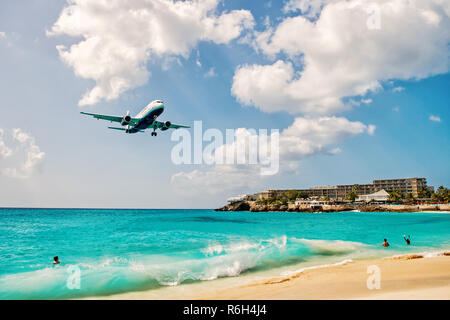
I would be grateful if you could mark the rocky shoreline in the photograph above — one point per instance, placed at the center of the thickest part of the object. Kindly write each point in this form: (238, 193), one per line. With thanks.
(253, 206)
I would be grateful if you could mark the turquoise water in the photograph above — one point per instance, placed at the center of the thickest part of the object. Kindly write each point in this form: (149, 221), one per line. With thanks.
(126, 250)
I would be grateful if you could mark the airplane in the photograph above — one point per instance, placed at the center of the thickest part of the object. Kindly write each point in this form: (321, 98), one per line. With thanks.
(146, 119)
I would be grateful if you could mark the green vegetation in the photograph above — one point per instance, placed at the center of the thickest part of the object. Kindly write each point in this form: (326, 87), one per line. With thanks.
(395, 196)
(410, 197)
(263, 201)
(284, 197)
(424, 193)
(352, 195)
(441, 195)
(303, 195)
(291, 194)
(282, 201)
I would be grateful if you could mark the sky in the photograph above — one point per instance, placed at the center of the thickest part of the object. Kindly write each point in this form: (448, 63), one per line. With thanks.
(359, 90)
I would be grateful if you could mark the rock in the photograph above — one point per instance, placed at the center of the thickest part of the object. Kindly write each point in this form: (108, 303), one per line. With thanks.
(242, 206)
(237, 206)
(274, 207)
(254, 206)
(258, 208)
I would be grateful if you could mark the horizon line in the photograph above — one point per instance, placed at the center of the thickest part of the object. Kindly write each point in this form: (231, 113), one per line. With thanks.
(104, 208)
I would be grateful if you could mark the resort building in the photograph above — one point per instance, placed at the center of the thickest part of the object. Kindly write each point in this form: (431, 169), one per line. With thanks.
(340, 192)
(410, 185)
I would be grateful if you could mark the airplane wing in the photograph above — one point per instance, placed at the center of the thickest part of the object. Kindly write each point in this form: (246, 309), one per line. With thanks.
(159, 125)
(110, 118)
(176, 126)
(123, 129)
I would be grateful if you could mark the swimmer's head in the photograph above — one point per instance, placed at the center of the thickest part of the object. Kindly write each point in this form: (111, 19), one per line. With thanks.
(55, 258)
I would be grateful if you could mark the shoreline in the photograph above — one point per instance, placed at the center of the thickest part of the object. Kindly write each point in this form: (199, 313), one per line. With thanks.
(254, 206)
(407, 276)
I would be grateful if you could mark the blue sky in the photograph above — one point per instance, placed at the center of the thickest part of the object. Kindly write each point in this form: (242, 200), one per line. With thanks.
(86, 165)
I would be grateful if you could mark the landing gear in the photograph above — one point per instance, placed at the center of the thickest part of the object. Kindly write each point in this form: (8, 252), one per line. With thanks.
(154, 134)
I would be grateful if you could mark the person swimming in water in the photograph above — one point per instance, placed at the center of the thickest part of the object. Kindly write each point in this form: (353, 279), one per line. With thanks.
(408, 240)
(385, 243)
(56, 260)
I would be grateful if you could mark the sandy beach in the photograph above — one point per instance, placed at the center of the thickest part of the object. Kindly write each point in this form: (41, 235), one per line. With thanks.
(404, 277)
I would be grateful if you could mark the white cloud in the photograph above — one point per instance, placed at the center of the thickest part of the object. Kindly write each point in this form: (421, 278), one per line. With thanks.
(341, 57)
(309, 136)
(7, 38)
(371, 129)
(398, 89)
(305, 137)
(435, 118)
(21, 136)
(34, 156)
(211, 73)
(307, 8)
(120, 37)
(5, 152)
(216, 180)
(197, 61)
(396, 109)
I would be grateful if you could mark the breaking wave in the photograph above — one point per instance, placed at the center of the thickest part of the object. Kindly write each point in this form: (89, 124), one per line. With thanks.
(332, 247)
(215, 260)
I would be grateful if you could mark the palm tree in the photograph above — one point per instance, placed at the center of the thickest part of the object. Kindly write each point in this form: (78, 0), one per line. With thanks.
(291, 194)
(352, 195)
(303, 195)
(424, 193)
(395, 195)
(442, 195)
(410, 197)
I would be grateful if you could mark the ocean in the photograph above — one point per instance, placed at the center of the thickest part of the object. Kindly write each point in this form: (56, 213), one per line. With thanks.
(109, 251)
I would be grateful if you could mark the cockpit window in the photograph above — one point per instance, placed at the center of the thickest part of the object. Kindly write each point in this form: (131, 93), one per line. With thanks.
(159, 101)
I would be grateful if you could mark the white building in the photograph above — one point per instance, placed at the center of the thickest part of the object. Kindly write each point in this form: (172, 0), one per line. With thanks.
(379, 196)
(243, 197)
(237, 198)
(311, 203)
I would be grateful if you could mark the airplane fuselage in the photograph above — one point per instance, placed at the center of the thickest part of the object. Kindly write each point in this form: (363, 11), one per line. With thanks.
(147, 116)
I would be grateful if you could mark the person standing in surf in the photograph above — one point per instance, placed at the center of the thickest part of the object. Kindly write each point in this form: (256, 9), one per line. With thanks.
(408, 240)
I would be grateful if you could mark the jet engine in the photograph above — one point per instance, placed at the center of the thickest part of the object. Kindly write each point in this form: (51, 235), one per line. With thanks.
(166, 125)
(126, 119)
